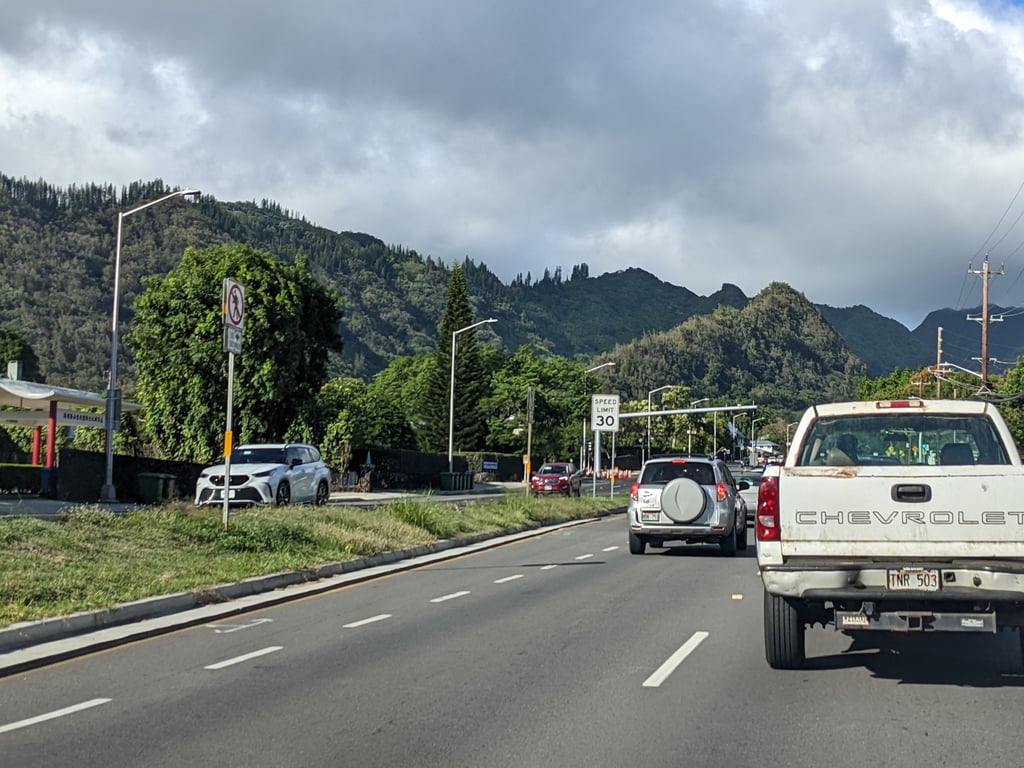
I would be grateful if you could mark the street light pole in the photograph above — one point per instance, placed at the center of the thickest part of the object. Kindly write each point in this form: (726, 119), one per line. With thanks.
(689, 430)
(659, 389)
(108, 492)
(753, 437)
(451, 399)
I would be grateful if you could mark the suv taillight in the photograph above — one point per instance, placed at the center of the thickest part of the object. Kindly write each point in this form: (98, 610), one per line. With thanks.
(720, 492)
(768, 509)
(634, 490)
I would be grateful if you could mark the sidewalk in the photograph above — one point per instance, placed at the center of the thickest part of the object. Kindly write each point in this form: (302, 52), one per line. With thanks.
(39, 506)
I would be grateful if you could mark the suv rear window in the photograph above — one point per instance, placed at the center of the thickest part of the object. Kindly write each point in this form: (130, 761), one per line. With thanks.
(665, 471)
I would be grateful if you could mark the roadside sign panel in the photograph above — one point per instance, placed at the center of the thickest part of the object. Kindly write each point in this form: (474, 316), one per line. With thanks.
(604, 413)
(234, 303)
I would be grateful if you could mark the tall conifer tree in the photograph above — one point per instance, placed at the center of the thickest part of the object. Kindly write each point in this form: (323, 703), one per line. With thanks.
(469, 424)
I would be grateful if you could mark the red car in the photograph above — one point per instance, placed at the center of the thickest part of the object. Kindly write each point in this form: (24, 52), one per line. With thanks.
(556, 477)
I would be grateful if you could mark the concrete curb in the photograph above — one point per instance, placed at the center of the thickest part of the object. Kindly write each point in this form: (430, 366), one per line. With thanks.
(32, 644)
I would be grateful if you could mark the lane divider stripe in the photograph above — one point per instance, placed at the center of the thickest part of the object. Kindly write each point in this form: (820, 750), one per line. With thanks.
(245, 657)
(675, 660)
(53, 715)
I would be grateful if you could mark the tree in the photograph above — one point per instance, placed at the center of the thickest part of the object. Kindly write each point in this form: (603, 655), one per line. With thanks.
(291, 329)
(469, 427)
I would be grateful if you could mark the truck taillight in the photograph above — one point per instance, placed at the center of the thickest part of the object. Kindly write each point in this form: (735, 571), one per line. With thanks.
(634, 490)
(768, 509)
(721, 492)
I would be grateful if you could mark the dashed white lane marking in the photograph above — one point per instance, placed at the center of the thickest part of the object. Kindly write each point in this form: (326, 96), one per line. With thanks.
(675, 660)
(452, 596)
(508, 578)
(364, 622)
(610, 549)
(549, 567)
(53, 715)
(245, 657)
(224, 629)
(584, 557)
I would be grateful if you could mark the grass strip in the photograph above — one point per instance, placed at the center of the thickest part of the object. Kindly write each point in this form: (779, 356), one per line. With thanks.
(92, 558)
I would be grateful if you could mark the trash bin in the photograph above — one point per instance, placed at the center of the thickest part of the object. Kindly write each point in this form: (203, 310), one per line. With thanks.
(456, 481)
(155, 486)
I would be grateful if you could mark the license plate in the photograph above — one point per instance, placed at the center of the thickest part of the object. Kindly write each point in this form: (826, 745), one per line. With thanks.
(649, 517)
(547, 487)
(918, 579)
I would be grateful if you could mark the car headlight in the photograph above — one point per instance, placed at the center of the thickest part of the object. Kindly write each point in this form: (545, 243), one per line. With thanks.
(265, 473)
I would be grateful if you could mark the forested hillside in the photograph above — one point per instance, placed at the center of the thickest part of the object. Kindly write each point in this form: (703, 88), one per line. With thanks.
(777, 349)
(56, 283)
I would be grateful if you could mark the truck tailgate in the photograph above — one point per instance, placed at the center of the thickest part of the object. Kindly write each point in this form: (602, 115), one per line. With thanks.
(902, 511)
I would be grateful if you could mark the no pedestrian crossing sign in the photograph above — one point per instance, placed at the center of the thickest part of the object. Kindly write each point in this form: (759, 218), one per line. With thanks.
(604, 413)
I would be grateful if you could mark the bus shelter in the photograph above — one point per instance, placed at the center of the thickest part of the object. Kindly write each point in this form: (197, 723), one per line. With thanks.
(30, 404)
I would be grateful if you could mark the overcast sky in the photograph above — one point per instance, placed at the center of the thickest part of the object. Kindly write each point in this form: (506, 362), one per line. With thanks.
(862, 151)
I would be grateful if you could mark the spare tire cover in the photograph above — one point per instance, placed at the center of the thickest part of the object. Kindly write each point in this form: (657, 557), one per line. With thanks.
(683, 500)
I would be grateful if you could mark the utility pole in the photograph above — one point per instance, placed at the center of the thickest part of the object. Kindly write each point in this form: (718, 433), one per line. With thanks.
(984, 318)
(938, 366)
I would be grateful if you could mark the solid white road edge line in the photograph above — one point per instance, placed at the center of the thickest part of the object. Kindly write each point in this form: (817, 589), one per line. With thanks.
(508, 578)
(246, 657)
(452, 596)
(675, 660)
(364, 622)
(53, 715)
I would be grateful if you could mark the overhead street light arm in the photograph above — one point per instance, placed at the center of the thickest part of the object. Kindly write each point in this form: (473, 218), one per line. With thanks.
(108, 492)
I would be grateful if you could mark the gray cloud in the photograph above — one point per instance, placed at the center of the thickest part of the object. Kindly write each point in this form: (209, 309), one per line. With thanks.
(859, 150)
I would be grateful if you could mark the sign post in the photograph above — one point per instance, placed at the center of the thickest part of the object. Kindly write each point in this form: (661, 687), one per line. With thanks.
(604, 417)
(233, 302)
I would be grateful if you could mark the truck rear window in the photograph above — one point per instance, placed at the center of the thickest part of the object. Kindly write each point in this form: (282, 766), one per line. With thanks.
(902, 439)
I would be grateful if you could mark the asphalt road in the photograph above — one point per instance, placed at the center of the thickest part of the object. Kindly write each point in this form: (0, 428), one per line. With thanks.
(558, 650)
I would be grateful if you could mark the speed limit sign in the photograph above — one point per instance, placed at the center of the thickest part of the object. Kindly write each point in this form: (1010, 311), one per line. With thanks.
(604, 413)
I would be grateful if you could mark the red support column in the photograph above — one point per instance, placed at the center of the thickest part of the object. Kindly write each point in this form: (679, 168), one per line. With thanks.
(36, 437)
(51, 435)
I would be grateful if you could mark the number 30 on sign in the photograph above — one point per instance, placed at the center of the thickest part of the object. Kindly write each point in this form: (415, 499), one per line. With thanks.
(604, 413)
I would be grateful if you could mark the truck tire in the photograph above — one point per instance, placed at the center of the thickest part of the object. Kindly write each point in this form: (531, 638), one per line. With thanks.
(637, 546)
(783, 633)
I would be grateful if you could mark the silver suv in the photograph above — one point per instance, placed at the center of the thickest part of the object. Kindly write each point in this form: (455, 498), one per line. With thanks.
(688, 499)
(272, 473)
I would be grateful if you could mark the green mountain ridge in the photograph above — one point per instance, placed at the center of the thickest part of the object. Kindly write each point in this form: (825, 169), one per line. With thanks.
(57, 247)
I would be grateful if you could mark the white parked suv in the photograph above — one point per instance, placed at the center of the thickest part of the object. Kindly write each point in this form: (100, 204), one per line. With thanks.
(688, 499)
(271, 473)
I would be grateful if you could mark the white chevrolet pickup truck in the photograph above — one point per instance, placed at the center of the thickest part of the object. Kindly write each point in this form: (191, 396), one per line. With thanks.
(899, 516)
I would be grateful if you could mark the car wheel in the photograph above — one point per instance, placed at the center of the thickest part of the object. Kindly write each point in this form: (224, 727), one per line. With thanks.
(284, 494)
(741, 541)
(783, 633)
(637, 546)
(323, 493)
(728, 544)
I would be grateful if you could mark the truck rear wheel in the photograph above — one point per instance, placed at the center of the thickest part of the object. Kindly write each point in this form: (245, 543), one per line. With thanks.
(783, 633)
